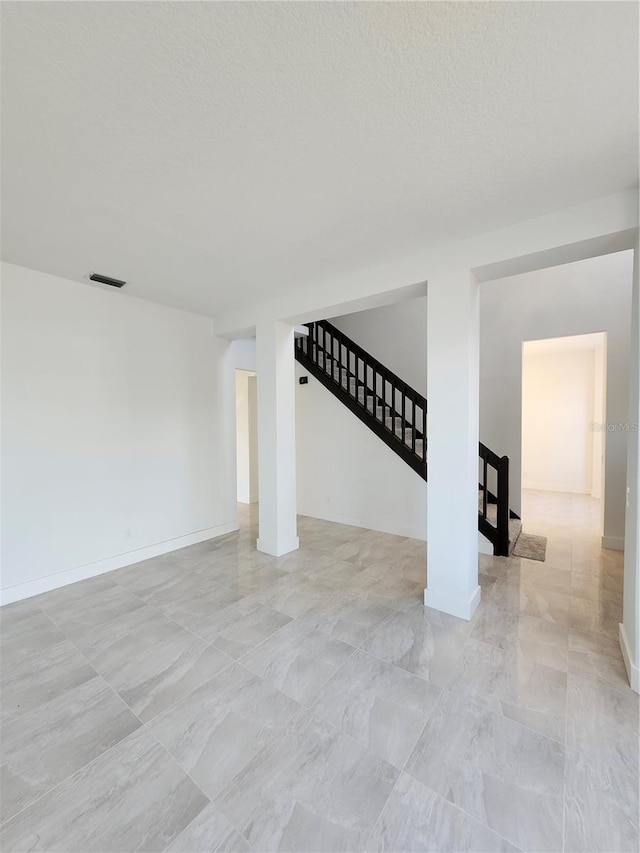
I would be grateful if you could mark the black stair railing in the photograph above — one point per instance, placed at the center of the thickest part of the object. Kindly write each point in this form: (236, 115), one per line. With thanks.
(397, 413)
(392, 409)
(494, 473)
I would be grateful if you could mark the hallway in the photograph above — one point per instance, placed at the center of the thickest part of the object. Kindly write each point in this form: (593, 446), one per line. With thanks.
(310, 702)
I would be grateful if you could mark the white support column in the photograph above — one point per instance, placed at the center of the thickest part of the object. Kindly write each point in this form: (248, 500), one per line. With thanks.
(629, 630)
(452, 434)
(276, 438)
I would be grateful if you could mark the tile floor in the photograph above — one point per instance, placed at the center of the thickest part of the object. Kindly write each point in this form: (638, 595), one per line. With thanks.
(220, 699)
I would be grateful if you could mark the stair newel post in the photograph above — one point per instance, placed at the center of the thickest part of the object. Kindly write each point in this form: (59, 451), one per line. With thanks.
(503, 507)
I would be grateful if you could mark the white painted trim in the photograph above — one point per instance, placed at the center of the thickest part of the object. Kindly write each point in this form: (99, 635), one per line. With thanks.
(546, 486)
(409, 531)
(463, 608)
(613, 543)
(632, 670)
(100, 567)
(277, 549)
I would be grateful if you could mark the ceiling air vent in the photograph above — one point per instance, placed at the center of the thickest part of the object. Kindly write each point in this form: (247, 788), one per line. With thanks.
(105, 279)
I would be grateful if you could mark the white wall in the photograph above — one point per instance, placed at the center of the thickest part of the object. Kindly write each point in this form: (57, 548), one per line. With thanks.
(558, 413)
(578, 298)
(396, 335)
(573, 299)
(110, 431)
(247, 437)
(630, 628)
(345, 473)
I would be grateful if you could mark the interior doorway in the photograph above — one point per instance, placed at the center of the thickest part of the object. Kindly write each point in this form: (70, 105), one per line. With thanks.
(247, 436)
(564, 427)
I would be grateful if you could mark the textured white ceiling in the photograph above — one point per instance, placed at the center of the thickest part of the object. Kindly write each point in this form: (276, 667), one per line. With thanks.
(209, 152)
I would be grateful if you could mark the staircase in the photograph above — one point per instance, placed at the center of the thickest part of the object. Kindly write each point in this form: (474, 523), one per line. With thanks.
(397, 414)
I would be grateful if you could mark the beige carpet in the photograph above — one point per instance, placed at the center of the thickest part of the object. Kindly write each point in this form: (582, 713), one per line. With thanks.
(531, 547)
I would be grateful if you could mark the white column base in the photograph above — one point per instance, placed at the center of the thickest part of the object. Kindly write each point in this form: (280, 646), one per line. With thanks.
(632, 670)
(613, 543)
(277, 549)
(463, 608)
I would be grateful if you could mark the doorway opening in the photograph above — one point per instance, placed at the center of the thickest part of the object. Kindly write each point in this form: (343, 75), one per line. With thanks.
(564, 430)
(247, 436)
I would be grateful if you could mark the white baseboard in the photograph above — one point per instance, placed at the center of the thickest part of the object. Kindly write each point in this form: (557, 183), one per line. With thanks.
(100, 567)
(613, 543)
(380, 525)
(632, 669)
(277, 549)
(464, 608)
(569, 489)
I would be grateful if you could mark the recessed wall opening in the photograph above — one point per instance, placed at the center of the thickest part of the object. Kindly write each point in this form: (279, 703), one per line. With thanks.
(564, 428)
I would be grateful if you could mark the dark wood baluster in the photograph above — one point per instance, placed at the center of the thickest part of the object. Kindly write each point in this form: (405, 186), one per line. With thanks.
(484, 487)
(404, 416)
(424, 432)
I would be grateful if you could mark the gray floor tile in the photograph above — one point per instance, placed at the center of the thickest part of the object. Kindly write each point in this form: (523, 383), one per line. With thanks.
(381, 706)
(538, 639)
(503, 774)
(141, 629)
(423, 641)
(33, 679)
(48, 744)
(209, 832)
(542, 575)
(26, 630)
(241, 626)
(596, 586)
(99, 601)
(598, 657)
(146, 577)
(152, 676)
(316, 790)
(417, 819)
(339, 574)
(298, 660)
(192, 606)
(601, 812)
(588, 616)
(513, 685)
(533, 600)
(602, 724)
(296, 595)
(395, 591)
(306, 559)
(253, 579)
(135, 797)
(215, 731)
(482, 768)
(350, 618)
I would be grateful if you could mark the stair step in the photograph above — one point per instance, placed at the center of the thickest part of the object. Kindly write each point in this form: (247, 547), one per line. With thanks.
(368, 398)
(515, 524)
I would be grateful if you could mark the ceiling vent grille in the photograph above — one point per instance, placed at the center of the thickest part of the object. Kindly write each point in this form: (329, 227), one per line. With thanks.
(105, 279)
